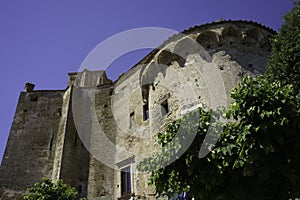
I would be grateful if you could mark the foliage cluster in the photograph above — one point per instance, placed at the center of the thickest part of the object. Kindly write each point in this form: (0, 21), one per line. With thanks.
(256, 155)
(47, 190)
(284, 59)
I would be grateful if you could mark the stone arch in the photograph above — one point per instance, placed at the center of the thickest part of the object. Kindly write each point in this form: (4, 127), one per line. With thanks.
(208, 40)
(254, 37)
(231, 36)
(185, 47)
(165, 57)
(150, 72)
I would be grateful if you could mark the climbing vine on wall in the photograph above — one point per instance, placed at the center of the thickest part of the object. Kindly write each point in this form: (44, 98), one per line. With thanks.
(256, 154)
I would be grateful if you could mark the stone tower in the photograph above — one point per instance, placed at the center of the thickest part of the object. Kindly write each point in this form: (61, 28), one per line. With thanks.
(63, 134)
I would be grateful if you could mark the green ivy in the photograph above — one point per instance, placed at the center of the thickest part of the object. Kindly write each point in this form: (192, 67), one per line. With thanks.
(256, 155)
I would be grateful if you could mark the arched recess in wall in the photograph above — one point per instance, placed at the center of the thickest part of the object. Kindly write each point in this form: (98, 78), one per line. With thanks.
(183, 48)
(254, 37)
(150, 72)
(208, 40)
(148, 81)
(165, 57)
(231, 37)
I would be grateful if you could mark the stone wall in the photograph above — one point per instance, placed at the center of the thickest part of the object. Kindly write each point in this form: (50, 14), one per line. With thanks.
(90, 132)
(32, 141)
(196, 69)
(74, 168)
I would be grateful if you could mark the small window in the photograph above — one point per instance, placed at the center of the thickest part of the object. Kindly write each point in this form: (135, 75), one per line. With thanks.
(51, 143)
(125, 180)
(145, 96)
(131, 120)
(146, 111)
(76, 138)
(111, 92)
(34, 98)
(164, 107)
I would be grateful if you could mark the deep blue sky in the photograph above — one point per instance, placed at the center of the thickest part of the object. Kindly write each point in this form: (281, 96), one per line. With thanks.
(41, 41)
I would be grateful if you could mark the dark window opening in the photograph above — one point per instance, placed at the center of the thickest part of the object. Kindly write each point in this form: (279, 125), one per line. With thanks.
(145, 95)
(164, 107)
(79, 189)
(146, 111)
(33, 98)
(131, 120)
(51, 143)
(111, 92)
(125, 181)
(76, 138)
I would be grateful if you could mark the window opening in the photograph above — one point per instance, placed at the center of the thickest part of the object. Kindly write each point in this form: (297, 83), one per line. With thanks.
(164, 107)
(125, 180)
(146, 111)
(145, 96)
(131, 120)
(76, 138)
(34, 98)
(51, 143)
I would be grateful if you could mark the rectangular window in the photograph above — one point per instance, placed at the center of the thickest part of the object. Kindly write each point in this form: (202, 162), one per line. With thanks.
(145, 96)
(34, 98)
(146, 111)
(51, 143)
(125, 180)
(76, 138)
(164, 107)
(131, 120)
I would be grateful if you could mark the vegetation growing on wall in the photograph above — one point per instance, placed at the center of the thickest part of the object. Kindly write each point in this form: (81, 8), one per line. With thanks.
(257, 154)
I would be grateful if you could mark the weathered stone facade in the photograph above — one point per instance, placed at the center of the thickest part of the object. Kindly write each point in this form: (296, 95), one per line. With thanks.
(63, 134)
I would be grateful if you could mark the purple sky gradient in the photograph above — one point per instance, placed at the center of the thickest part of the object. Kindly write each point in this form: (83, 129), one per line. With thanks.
(41, 41)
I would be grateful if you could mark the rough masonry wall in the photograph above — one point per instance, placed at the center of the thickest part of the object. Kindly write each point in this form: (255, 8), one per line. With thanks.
(101, 176)
(74, 167)
(196, 69)
(189, 71)
(30, 148)
(91, 110)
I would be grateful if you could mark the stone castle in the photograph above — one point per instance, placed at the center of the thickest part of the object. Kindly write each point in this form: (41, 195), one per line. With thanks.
(94, 133)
